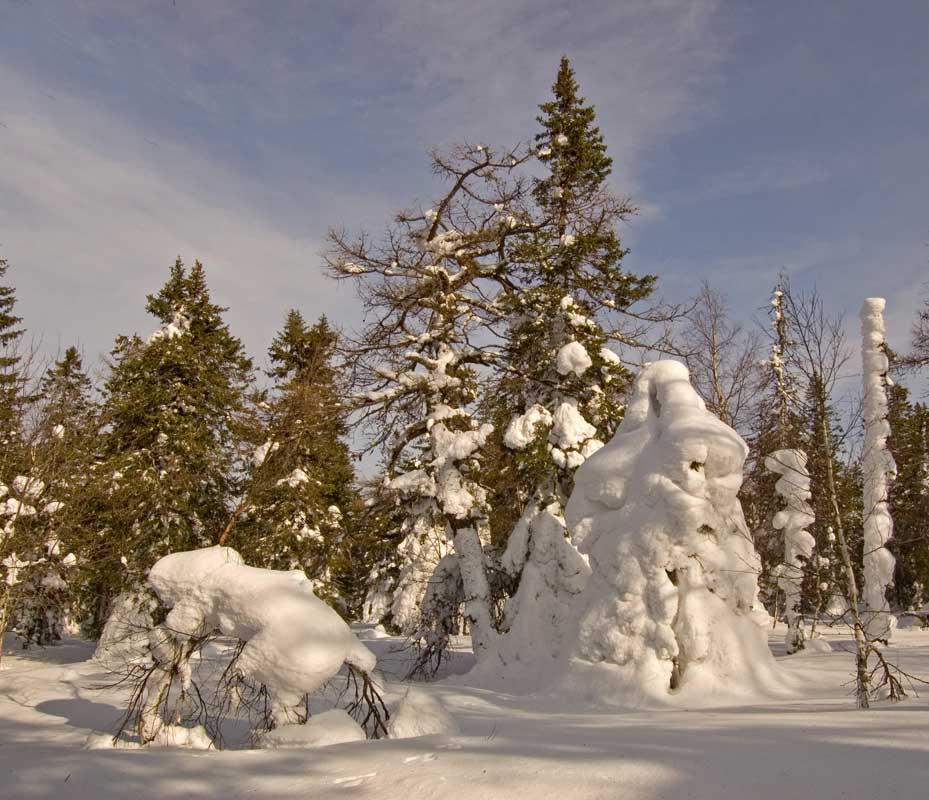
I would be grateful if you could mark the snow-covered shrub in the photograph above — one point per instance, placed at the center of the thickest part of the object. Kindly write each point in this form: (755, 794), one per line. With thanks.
(668, 609)
(418, 553)
(286, 644)
(37, 570)
(440, 616)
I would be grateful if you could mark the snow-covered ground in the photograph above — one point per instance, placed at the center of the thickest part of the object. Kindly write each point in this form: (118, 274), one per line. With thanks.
(816, 746)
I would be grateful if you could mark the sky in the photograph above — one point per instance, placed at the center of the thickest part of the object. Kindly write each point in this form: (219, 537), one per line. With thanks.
(755, 137)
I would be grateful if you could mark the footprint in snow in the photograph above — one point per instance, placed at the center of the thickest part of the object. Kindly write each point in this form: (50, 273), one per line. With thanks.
(425, 757)
(354, 780)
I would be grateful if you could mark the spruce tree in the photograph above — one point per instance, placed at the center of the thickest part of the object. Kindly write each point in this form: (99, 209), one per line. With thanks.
(61, 456)
(560, 390)
(172, 408)
(17, 539)
(12, 380)
(909, 498)
(775, 425)
(300, 495)
(568, 283)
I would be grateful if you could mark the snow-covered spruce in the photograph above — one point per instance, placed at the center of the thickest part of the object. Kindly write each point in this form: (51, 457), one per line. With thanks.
(292, 642)
(538, 620)
(793, 520)
(878, 470)
(668, 612)
(419, 552)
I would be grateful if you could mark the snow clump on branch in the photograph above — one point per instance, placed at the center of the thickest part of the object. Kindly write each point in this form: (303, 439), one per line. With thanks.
(294, 641)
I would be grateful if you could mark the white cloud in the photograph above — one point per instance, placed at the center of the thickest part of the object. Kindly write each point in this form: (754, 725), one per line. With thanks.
(101, 187)
(93, 213)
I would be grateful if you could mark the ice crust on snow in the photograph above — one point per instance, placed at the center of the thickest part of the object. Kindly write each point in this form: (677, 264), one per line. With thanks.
(667, 614)
(793, 520)
(420, 714)
(321, 730)
(878, 470)
(294, 641)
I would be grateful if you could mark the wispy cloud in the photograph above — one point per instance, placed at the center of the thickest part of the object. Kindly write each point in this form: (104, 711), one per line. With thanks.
(92, 213)
(210, 130)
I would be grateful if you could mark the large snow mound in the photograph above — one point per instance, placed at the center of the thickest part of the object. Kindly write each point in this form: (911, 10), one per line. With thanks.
(294, 641)
(420, 714)
(667, 614)
(321, 730)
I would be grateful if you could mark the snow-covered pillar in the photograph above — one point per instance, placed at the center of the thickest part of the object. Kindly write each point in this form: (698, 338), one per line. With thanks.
(879, 469)
(793, 519)
(670, 606)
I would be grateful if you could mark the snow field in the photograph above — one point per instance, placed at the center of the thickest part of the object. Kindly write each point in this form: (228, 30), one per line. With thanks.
(816, 745)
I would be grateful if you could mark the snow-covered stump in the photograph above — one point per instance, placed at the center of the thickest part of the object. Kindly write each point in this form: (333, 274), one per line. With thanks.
(878, 470)
(289, 644)
(793, 519)
(669, 610)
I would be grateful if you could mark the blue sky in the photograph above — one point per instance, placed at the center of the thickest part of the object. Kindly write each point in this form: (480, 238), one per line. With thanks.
(755, 136)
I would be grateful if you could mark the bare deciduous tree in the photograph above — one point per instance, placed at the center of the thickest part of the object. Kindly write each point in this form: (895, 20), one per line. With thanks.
(722, 357)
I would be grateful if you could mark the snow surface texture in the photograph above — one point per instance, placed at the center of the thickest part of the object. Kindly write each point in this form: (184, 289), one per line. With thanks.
(878, 470)
(793, 519)
(816, 746)
(667, 615)
(420, 714)
(295, 642)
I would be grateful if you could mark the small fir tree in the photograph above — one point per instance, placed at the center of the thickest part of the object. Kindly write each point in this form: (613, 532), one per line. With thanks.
(300, 495)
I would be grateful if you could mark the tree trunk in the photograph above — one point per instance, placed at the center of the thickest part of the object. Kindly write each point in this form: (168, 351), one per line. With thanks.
(476, 587)
(862, 677)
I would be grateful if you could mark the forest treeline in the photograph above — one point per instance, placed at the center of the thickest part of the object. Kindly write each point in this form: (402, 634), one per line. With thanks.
(503, 331)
